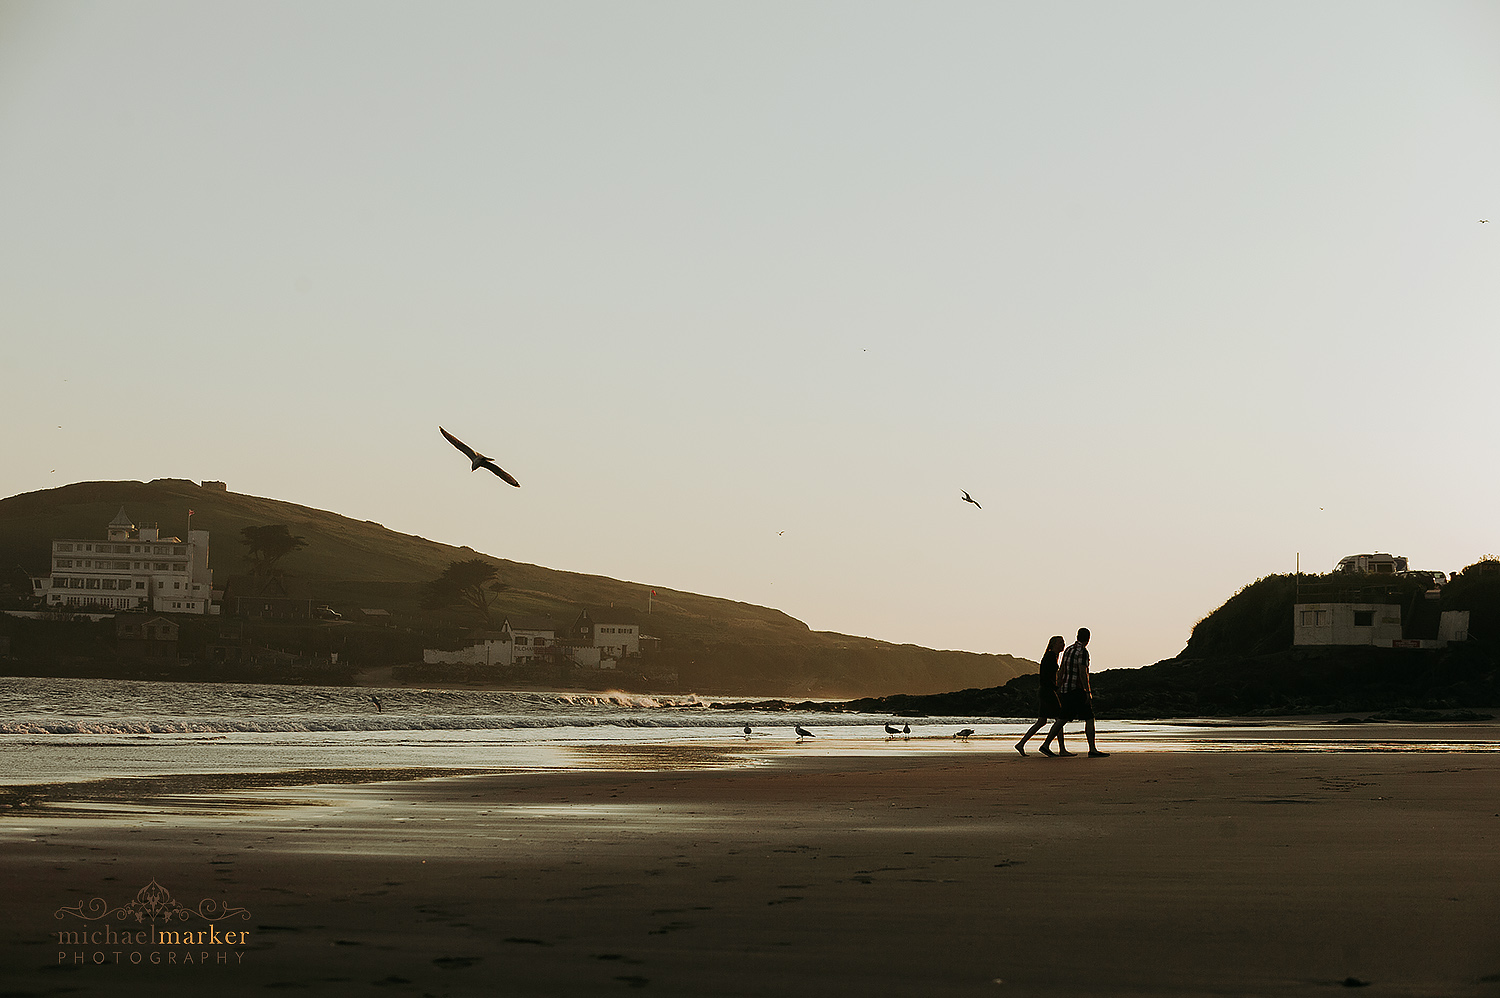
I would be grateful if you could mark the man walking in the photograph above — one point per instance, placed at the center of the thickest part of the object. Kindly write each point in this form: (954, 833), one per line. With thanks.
(1074, 692)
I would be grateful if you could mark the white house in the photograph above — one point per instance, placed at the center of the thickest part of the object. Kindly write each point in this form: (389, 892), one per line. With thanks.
(616, 633)
(130, 570)
(1376, 624)
(518, 641)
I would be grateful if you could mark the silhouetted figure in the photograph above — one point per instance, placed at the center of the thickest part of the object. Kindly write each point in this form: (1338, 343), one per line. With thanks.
(1074, 693)
(747, 731)
(802, 732)
(1048, 709)
(378, 709)
(478, 459)
(968, 498)
(963, 733)
(906, 731)
(891, 731)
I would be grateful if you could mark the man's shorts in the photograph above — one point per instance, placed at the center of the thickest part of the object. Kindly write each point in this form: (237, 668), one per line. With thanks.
(1077, 705)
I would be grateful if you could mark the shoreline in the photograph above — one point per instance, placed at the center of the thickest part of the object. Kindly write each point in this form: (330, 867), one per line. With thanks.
(800, 873)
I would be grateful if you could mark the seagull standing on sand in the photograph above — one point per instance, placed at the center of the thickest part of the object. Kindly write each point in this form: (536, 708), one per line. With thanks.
(747, 731)
(478, 459)
(906, 731)
(891, 731)
(969, 498)
(802, 732)
(964, 733)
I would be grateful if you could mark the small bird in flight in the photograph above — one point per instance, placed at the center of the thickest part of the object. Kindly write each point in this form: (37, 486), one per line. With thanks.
(480, 461)
(969, 498)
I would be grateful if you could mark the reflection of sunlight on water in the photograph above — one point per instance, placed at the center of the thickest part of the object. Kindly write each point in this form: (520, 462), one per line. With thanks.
(659, 758)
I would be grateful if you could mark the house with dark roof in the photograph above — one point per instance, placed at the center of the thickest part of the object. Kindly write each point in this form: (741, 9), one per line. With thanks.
(272, 597)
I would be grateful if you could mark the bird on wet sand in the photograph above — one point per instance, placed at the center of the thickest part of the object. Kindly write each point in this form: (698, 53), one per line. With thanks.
(891, 731)
(906, 730)
(964, 733)
(802, 732)
(969, 498)
(478, 459)
(747, 731)
(378, 709)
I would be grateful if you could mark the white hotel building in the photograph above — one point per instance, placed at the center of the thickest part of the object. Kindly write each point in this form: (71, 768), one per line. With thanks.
(132, 570)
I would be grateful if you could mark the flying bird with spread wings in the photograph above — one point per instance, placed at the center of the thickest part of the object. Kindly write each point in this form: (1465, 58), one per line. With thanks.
(968, 498)
(480, 461)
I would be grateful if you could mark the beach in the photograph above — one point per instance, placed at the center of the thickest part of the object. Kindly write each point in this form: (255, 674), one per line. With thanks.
(930, 867)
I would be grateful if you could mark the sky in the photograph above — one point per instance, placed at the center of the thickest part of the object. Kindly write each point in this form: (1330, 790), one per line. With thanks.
(747, 294)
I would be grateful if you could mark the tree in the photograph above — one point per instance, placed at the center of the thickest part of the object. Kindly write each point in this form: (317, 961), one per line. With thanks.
(265, 546)
(469, 585)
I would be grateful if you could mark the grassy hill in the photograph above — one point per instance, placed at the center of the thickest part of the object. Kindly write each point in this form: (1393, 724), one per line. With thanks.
(352, 565)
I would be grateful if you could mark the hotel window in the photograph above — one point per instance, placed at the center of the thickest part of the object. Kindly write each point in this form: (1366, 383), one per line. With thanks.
(1364, 618)
(140, 585)
(108, 583)
(65, 547)
(91, 584)
(75, 583)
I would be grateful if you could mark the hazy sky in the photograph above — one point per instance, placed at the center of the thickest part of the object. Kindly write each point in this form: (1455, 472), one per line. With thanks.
(745, 294)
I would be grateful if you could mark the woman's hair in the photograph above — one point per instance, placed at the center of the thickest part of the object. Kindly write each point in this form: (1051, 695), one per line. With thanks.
(1056, 644)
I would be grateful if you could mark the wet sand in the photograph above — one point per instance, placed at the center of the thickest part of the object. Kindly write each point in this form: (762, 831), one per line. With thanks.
(924, 873)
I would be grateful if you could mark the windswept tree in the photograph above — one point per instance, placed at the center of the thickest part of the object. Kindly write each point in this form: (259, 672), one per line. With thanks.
(466, 585)
(265, 546)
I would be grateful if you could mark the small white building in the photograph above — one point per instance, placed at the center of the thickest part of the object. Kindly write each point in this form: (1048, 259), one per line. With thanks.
(1376, 624)
(616, 633)
(132, 569)
(519, 641)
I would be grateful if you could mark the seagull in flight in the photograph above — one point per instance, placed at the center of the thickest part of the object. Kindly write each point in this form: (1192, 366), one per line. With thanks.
(480, 461)
(969, 498)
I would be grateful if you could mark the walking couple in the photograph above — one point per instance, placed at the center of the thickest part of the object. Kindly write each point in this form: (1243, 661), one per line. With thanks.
(1065, 695)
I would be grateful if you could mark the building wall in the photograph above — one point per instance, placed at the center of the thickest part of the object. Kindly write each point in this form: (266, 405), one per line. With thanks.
(1453, 625)
(619, 640)
(128, 573)
(1345, 624)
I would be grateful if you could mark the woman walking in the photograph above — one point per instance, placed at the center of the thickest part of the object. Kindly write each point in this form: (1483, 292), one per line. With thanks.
(1048, 707)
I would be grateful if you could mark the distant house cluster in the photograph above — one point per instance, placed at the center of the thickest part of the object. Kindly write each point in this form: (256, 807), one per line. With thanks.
(1325, 614)
(597, 639)
(131, 569)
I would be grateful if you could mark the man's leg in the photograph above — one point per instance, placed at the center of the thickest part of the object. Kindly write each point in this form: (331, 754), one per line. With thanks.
(1088, 732)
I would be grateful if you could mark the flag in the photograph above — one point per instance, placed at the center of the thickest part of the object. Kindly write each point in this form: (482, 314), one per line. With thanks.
(190, 512)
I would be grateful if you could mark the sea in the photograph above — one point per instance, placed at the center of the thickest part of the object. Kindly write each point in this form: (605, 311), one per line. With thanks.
(66, 730)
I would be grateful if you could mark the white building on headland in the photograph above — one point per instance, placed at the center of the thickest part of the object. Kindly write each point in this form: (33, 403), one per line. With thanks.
(133, 569)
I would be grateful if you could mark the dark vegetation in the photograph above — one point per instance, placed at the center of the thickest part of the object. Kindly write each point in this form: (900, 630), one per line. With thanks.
(1240, 662)
(350, 566)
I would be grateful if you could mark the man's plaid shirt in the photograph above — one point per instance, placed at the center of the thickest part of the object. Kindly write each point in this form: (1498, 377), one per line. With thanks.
(1073, 669)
